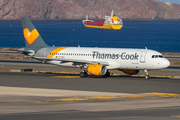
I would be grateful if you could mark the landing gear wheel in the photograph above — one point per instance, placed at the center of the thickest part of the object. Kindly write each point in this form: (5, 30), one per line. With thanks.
(83, 74)
(107, 74)
(147, 77)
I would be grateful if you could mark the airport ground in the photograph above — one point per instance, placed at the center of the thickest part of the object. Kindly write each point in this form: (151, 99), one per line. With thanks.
(54, 92)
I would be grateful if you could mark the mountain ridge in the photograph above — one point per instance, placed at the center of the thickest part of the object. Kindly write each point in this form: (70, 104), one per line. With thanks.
(78, 9)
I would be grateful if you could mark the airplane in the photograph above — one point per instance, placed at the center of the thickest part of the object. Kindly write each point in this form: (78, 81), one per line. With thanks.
(95, 61)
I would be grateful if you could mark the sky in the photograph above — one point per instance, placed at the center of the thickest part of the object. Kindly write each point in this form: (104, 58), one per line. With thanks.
(171, 1)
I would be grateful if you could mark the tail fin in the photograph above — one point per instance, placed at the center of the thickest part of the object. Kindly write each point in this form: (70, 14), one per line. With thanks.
(31, 35)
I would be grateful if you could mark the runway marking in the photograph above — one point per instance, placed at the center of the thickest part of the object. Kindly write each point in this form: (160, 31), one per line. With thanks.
(66, 76)
(66, 95)
(172, 95)
(96, 98)
(163, 76)
(99, 98)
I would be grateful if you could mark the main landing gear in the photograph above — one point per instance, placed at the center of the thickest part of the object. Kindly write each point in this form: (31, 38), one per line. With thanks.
(147, 75)
(83, 74)
(107, 74)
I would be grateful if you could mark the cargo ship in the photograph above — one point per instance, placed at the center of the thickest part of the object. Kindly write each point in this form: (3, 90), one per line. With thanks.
(110, 22)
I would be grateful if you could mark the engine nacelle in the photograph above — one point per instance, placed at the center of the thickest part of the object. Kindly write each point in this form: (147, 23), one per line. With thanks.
(97, 69)
(131, 72)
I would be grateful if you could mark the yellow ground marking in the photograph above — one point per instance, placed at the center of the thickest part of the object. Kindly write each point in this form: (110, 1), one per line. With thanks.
(102, 97)
(66, 76)
(174, 95)
(140, 95)
(55, 51)
(96, 98)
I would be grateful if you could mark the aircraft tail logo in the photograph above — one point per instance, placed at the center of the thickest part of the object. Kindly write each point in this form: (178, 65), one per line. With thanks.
(30, 36)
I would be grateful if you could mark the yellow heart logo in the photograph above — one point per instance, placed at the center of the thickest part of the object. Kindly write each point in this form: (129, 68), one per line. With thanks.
(30, 36)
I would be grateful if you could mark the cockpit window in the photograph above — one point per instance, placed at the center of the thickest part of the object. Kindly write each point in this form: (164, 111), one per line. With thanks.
(160, 56)
(157, 56)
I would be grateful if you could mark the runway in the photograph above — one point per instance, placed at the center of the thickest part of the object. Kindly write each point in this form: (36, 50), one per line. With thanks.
(43, 96)
(46, 95)
(124, 84)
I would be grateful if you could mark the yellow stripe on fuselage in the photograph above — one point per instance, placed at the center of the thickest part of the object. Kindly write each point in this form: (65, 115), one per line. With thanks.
(55, 51)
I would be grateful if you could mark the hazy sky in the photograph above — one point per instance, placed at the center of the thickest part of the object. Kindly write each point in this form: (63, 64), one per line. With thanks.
(171, 1)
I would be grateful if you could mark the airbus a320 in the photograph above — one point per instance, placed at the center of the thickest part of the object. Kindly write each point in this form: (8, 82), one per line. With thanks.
(95, 61)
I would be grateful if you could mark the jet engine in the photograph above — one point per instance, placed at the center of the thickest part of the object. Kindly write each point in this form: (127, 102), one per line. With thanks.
(131, 72)
(97, 69)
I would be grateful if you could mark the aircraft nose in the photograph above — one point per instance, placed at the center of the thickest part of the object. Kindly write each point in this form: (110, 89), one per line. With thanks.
(166, 63)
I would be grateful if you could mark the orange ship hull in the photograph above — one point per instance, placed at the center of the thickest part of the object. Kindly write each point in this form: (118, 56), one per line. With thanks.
(105, 26)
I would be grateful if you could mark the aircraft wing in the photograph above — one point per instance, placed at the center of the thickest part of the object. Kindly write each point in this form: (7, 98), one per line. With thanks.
(74, 60)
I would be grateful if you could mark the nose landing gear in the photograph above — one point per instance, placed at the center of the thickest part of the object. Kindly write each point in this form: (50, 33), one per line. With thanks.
(147, 75)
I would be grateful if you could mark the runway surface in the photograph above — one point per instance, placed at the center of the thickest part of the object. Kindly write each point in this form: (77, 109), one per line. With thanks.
(45, 95)
(52, 96)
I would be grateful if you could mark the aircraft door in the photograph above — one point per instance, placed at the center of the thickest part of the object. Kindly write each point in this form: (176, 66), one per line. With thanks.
(43, 52)
(143, 55)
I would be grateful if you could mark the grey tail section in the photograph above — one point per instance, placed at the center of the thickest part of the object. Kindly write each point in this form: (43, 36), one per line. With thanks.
(37, 41)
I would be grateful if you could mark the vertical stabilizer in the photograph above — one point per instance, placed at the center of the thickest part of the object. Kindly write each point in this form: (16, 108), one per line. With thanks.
(31, 35)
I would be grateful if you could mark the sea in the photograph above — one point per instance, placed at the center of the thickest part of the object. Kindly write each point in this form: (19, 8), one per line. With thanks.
(162, 36)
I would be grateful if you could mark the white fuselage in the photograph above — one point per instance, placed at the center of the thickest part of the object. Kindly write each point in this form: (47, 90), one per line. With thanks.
(136, 59)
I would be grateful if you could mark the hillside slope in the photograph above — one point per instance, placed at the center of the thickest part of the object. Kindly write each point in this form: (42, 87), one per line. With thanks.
(78, 9)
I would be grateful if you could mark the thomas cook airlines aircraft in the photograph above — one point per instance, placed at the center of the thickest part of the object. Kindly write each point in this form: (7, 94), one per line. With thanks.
(95, 61)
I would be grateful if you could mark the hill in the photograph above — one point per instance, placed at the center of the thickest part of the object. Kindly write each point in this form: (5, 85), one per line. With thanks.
(78, 9)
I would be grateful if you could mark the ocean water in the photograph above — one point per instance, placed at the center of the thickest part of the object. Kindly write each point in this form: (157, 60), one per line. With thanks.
(163, 36)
